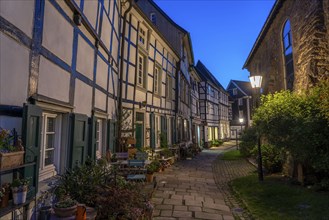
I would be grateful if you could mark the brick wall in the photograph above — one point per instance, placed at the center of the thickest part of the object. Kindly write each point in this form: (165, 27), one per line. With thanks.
(309, 28)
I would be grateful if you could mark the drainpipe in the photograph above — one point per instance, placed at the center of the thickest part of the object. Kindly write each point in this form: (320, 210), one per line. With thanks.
(119, 113)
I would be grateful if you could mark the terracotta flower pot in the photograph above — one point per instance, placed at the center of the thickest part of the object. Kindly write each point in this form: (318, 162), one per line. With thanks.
(4, 200)
(149, 177)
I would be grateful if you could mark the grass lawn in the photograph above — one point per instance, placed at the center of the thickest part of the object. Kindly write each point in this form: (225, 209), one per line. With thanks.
(278, 199)
(231, 155)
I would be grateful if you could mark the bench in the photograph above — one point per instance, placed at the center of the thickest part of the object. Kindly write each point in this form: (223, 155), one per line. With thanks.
(136, 170)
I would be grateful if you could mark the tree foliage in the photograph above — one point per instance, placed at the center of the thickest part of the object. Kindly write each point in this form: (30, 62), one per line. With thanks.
(300, 124)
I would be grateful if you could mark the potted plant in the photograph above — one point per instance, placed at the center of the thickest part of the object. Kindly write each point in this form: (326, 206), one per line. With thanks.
(11, 149)
(19, 189)
(4, 195)
(150, 169)
(66, 207)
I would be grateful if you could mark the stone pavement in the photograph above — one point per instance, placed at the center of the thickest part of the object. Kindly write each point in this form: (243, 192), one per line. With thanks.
(197, 188)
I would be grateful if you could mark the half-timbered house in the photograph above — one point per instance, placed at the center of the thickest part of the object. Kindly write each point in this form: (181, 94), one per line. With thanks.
(180, 40)
(149, 76)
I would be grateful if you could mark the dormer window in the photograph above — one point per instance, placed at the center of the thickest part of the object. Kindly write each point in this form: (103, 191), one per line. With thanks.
(153, 18)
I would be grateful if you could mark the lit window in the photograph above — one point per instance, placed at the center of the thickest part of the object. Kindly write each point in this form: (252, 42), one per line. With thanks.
(288, 57)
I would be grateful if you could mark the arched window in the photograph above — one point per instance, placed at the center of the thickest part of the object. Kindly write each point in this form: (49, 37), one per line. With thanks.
(288, 58)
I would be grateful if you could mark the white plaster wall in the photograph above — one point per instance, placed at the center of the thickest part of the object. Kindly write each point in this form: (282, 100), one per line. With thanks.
(133, 35)
(14, 71)
(130, 92)
(156, 101)
(112, 8)
(85, 58)
(151, 52)
(115, 80)
(54, 82)
(124, 71)
(20, 13)
(115, 44)
(106, 32)
(158, 57)
(152, 40)
(134, 21)
(116, 20)
(140, 96)
(132, 54)
(102, 73)
(111, 108)
(57, 34)
(77, 2)
(82, 98)
(90, 11)
(131, 74)
(100, 100)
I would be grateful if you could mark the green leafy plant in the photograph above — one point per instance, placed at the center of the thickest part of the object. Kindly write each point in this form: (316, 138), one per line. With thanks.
(166, 153)
(7, 139)
(151, 168)
(66, 203)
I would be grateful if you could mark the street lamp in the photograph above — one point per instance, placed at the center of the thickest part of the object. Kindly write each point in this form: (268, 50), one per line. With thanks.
(256, 83)
(241, 122)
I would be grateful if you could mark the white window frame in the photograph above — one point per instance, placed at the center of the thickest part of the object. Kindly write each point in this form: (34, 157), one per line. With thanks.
(47, 171)
(142, 36)
(235, 91)
(153, 17)
(157, 80)
(141, 70)
(99, 139)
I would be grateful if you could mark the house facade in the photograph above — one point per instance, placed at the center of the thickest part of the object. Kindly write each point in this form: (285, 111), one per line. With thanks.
(291, 51)
(213, 105)
(180, 40)
(241, 102)
(149, 82)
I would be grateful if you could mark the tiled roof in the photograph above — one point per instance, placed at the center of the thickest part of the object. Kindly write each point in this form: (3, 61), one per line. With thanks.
(244, 86)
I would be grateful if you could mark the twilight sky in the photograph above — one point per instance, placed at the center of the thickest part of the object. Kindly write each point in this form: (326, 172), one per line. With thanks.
(222, 31)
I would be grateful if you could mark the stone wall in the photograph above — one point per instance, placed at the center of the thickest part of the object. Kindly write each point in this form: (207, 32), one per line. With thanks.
(309, 28)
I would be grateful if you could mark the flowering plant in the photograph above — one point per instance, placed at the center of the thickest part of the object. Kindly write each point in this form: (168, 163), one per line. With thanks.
(4, 189)
(20, 185)
(8, 143)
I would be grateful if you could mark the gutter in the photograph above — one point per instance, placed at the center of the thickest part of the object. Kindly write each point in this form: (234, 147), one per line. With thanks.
(122, 46)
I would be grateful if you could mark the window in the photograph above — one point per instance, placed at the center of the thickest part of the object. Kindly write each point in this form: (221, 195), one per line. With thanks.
(142, 36)
(197, 108)
(240, 102)
(168, 87)
(288, 57)
(153, 18)
(141, 70)
(157, 80)
(99, 138)
(235, 91)
(50, 144)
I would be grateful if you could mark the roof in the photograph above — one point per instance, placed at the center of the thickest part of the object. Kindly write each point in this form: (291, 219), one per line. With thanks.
(243, 86)
(207, 76)
(274, 11)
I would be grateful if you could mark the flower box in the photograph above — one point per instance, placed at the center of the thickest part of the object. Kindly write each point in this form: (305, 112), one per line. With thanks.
(10, 160)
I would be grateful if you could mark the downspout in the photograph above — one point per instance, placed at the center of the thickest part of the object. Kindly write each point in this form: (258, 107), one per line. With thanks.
(118, 142)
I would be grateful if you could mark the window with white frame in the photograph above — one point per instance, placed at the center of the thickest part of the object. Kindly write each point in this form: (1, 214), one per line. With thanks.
(168, 87)
(235, 91)
(50, 145)
(141, 70)
(142, 38)
(157, 80)
(99, 138)
(240, 101)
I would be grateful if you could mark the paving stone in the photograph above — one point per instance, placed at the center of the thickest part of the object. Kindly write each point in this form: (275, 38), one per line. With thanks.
(216, 206)
(177, 197)
(157, 200)
(204, 215)
(228, 217)
(195, 208)
(180, 208)
(163, 218)
(182, 214)
(166, 213)
(173, 202)
(164, 207)
(193, 203)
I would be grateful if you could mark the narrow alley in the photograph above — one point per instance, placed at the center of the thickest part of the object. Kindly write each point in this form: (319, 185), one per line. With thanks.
(197, 188)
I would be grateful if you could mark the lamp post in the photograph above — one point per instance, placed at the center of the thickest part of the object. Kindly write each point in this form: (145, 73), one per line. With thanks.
(241, 122)
(256, 83)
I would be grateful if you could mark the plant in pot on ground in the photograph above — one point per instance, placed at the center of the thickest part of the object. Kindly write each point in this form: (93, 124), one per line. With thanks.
(66, 207)
(150, 169)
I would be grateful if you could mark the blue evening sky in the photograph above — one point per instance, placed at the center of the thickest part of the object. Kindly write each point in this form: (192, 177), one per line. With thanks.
(223, 32)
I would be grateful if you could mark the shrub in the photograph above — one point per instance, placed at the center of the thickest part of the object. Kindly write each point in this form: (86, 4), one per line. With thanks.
(248, 141)
(272, 157)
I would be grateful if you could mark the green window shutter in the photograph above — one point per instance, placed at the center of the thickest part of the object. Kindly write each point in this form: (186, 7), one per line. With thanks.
(31, 137)
(111, 135)
(92, 137)
(79, 132)
(139, 136)
(152, 130)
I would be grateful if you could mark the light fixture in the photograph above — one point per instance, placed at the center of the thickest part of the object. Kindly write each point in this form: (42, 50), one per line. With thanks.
(256, 81)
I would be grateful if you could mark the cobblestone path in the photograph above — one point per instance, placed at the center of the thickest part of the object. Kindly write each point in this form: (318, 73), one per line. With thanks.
(197, 188)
